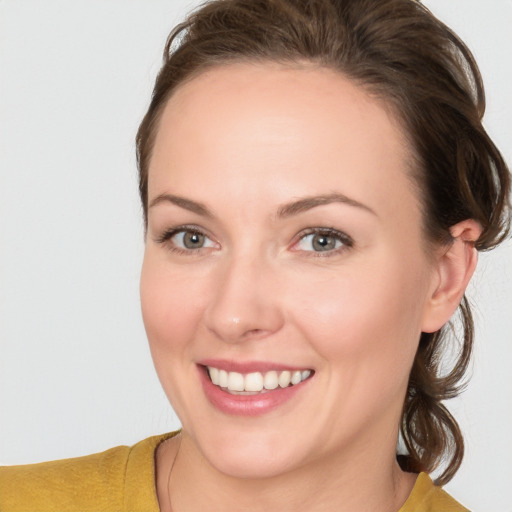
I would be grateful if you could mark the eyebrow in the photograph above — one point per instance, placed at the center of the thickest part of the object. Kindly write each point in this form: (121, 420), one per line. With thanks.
(286, 210)
(307, 203)
(182, 202)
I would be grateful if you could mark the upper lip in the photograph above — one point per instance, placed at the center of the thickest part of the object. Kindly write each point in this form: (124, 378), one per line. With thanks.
(249, 366)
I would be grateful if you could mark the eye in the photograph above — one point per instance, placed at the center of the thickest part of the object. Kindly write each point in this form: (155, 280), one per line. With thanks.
(190, 240)
(324, 240)
(186, 240)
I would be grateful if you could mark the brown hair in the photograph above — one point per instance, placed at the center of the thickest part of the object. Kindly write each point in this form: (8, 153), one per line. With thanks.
(398, 51)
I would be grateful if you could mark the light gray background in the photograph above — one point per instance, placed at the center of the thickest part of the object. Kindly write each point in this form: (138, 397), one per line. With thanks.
(75, 372)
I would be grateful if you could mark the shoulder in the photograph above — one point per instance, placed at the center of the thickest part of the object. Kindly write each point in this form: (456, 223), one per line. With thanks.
(99, 482)
(427, 497)
(67, 484)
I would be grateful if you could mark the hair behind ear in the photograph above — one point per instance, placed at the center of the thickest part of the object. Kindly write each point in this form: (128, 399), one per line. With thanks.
(431, 434)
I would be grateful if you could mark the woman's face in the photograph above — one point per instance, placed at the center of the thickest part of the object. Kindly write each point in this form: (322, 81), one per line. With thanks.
(284, 242)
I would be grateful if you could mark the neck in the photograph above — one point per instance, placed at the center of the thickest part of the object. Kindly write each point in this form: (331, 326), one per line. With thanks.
(362, 478)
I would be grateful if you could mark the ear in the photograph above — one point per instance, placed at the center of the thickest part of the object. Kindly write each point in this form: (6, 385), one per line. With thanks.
(454, 266)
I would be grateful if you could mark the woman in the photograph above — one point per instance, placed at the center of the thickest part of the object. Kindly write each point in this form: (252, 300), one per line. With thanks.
(315, 186)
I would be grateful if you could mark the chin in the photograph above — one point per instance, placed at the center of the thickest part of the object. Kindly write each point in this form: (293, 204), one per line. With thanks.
(250, 466)
(253, 456)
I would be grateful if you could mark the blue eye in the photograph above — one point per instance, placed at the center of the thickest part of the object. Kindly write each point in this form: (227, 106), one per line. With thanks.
(324, 241)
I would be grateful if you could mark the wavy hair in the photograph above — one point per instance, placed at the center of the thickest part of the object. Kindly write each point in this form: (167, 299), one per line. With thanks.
(401, 54)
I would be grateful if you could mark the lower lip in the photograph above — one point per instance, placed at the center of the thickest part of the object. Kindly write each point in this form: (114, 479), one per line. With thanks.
(247, 405)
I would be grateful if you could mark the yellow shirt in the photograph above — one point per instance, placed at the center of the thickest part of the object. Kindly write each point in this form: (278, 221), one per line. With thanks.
(122, 479)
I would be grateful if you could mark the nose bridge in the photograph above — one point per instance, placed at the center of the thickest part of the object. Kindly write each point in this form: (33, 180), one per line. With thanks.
(244, 304)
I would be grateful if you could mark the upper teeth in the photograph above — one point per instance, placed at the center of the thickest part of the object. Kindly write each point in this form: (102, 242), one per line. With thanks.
(256, 381)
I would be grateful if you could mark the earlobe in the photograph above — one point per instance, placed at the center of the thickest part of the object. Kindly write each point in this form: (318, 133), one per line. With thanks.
(455, 266)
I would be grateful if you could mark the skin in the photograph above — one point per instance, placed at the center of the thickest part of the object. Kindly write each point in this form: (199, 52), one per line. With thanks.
(244, 140)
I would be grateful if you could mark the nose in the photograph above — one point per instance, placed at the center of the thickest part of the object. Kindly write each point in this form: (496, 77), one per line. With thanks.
(245, 302)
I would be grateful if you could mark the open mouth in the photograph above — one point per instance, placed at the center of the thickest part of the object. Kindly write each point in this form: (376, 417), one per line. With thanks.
(256, 382)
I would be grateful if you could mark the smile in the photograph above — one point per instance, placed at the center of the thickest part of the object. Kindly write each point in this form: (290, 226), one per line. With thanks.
(255, 388)
(255, 382)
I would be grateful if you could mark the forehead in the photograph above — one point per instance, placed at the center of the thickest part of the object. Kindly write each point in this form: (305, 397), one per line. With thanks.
(256, 127)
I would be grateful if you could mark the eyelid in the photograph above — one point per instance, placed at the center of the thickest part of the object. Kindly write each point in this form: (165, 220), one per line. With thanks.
(346, 240)
(184, 228)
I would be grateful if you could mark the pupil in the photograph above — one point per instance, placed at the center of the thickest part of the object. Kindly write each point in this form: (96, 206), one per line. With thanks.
(193, 240)
(323, 243)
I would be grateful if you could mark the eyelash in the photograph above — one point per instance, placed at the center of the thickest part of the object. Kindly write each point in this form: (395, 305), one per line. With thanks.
(346, 241)
(167, 235)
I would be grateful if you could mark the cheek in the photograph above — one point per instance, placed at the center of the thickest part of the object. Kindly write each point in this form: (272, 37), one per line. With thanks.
(370, 317)
(170, 307)
(365, 326)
